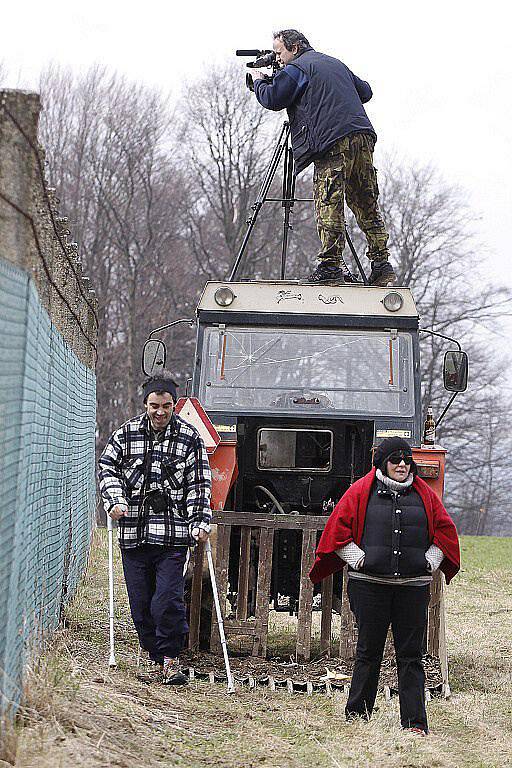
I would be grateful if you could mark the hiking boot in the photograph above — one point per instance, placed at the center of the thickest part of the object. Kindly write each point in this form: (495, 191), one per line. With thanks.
(171, 673)
(417, 730)
(325, 274)
(151, 673)
(382, 274)
(350, 278)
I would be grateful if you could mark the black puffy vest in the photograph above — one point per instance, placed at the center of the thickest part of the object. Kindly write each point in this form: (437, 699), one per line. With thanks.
(395, 536)
(329, 109)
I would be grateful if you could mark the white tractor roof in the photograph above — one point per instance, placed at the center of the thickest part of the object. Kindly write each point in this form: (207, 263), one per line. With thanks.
(271, 297)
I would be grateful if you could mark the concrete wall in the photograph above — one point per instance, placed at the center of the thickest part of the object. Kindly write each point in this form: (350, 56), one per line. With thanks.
(34, 235)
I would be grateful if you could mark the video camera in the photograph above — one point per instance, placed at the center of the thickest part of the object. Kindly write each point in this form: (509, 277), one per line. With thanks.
(264, 58)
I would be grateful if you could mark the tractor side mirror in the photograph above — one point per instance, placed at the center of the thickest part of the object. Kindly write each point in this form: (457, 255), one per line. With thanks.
(455, 371)
(153, 357)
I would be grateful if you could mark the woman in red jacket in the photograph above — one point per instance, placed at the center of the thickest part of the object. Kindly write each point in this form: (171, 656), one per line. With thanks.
(393, 532)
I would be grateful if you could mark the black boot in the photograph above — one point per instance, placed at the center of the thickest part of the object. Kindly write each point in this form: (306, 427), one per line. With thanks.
(327, 273)
(382, 274)
(172, 674)
(350, 278)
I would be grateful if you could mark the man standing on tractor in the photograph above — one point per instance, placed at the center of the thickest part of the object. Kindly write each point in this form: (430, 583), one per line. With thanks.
(155, 481)
(329, 126)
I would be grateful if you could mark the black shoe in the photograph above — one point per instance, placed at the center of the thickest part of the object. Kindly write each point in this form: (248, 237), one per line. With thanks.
(351, 278)
(177, 679)
(382, 273)
(325, 274)
(171, 673)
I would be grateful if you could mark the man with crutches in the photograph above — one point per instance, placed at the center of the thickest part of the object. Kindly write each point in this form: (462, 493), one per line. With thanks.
(155, 481)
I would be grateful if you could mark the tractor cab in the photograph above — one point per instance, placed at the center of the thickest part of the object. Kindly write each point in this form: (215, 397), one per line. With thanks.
(307, 379)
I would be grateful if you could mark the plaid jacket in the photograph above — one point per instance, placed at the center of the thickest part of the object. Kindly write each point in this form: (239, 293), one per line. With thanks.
(178, 467)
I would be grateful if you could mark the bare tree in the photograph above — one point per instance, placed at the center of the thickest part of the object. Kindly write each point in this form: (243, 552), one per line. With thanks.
(433, 240)
(226, 141)
(109, 153)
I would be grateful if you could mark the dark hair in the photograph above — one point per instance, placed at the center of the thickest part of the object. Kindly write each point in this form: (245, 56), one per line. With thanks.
(291, 37)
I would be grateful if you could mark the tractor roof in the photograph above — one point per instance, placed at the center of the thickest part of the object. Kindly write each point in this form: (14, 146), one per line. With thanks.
(275, 300)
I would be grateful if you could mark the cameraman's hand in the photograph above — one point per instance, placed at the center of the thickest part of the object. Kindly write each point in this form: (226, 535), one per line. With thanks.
(257, 75)
(199, 534)
(117, 511)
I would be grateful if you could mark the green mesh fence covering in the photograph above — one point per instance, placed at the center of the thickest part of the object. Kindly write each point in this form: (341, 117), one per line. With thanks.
(47, 492)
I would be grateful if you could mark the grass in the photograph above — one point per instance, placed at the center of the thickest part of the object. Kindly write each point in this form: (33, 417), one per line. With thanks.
(78, 713)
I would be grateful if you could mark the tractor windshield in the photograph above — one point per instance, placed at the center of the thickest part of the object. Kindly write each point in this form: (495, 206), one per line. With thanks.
(287, 370)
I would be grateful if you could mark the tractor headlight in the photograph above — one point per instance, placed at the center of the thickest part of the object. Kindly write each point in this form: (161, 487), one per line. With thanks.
(224, 296)
(393, 301)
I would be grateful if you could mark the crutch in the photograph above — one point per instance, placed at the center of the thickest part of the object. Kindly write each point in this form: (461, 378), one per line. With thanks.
(112, 658)
(231, 682)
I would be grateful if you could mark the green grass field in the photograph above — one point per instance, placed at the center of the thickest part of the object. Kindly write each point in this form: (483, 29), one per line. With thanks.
(77, 713)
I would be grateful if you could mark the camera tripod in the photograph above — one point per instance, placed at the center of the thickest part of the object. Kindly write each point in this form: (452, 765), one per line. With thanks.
(282, 150)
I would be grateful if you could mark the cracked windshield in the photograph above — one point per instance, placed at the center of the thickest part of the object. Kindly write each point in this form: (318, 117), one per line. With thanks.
(297, 371)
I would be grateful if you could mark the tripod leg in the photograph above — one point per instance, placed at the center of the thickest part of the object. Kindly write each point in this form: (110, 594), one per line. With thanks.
(280, 147)
(288, 200)
(356, 258)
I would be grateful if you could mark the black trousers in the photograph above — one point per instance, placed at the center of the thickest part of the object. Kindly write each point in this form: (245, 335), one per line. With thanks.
(154, 580)
(375, 607)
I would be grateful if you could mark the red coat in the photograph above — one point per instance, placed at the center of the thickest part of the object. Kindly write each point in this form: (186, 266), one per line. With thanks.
(346, 523)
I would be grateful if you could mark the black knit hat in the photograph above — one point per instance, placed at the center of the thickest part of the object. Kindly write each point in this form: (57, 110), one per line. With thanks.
(389, 446)
(159, 383)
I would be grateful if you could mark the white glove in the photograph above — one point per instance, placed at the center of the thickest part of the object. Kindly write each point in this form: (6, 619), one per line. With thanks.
(434, 557)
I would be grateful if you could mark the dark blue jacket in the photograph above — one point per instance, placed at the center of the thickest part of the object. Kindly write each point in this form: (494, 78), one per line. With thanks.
(324, 100)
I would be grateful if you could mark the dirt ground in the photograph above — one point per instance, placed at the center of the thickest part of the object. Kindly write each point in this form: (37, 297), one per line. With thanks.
(282, 669)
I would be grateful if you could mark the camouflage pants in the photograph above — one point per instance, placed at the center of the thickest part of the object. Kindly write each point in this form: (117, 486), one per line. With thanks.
(346, 171)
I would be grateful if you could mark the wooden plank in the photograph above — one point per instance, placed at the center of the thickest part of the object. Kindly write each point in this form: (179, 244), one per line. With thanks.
(195, 597)
(221, 574)
(348, 630)
(243, 573)
(434, 614)
(279, 522)
(263, 592)
(326, 621)
(443, 650)
(305, 597)
(240, 627)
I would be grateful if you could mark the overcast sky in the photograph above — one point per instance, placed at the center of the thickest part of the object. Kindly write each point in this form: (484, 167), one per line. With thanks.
(440, 72)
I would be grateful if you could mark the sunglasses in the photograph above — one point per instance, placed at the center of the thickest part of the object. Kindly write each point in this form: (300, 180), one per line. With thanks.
(397, 456)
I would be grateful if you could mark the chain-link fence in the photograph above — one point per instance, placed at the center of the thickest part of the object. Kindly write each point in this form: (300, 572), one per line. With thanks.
(47, 424)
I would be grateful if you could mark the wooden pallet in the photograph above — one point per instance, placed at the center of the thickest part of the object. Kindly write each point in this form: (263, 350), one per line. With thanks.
(255, 628)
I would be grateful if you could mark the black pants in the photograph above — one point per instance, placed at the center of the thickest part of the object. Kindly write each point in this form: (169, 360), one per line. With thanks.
(154, 580)
(375, 607)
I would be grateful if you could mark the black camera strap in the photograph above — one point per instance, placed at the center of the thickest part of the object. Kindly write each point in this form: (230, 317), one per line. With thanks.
(146, 470)
(146, 482)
